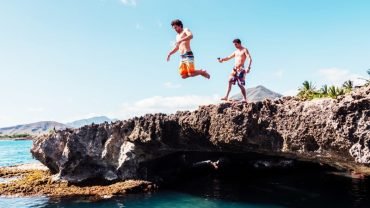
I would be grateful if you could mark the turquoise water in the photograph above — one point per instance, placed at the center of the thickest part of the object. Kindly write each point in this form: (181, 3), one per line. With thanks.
(15, 152)
(159, 200)
(18, 152)
(307, 187)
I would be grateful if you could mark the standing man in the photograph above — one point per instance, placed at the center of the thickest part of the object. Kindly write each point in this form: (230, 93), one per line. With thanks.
(183, 38)
(238, 73)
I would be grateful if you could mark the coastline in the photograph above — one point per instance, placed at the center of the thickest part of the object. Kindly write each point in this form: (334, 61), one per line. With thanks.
(15, 139)
(34, 179)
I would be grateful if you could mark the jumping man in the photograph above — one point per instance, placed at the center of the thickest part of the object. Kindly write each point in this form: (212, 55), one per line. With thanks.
(183, 38)
(238, 73)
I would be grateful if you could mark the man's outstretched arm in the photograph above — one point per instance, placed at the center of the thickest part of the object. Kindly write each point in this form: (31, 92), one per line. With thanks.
(227, 58)
(172, 52)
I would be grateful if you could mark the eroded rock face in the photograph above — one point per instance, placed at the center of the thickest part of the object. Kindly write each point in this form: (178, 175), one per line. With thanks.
(335, 131)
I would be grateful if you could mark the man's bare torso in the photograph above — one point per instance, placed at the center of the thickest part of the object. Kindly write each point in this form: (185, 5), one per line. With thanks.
(240, 57)
(184, 46)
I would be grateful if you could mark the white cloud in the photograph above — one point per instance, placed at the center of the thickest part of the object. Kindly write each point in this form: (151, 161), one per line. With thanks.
(336, 76)
(171, 85)
(291, 92)
(35, 109)
(129, 2)
(279, 73)
(160, 104)
(159, 24)
(7, 121)
(139, 26)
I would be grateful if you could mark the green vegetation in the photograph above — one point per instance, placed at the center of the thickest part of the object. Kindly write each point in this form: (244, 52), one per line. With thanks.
(308, 91)
(15, 136)
(348, 86)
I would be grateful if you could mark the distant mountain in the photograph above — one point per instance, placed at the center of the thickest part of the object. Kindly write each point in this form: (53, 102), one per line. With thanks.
(258, 93)
(32, 128)
(95, 120)
(45, 126)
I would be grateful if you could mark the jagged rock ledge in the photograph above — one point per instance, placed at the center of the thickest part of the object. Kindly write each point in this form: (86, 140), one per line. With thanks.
(36, 180)
(331, 131)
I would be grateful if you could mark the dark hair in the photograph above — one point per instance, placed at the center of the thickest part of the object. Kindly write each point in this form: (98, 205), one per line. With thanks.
(177, 22)
(237, 41)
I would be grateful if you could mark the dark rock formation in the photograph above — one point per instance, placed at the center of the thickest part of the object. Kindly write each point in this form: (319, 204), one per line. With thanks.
(331, 131)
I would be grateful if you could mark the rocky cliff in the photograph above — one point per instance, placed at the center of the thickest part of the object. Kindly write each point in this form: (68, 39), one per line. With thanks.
(331, 131)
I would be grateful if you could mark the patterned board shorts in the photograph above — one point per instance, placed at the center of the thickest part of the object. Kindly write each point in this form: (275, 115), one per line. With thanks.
(239, 76)
(187, 67)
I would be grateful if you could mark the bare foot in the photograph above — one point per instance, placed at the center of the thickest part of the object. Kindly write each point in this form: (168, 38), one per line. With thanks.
(205, 74)
(240, 102)
(225, 99)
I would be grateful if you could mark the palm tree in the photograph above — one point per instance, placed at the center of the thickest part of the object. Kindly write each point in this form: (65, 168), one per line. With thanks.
(324, 91)
(307, 90)
(340, 91)
(348, 86)
(332, 92)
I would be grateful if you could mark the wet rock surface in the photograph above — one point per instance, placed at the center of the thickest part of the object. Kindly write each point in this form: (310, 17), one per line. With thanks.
(331, 131)
(33, 181)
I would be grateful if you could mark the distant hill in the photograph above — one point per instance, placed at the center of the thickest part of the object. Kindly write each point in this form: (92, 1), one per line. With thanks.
(32, 128)
(258, 93)
(45, 126)
(83, 122)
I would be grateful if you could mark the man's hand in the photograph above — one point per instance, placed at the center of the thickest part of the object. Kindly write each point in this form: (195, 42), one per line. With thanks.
(168, 57)
(220, 60)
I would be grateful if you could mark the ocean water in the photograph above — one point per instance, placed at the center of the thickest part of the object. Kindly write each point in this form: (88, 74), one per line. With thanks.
(164, 199)
(307, 187)
(15, 152)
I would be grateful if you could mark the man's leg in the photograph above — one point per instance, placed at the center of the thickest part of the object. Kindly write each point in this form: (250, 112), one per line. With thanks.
(242, 88)
(191, 72)
(201, 72)
(228, 88)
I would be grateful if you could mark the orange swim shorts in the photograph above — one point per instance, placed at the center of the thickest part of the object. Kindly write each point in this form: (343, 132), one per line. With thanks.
(186, 67)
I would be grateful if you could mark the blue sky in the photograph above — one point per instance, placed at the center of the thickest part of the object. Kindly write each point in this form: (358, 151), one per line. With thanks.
(67, 60)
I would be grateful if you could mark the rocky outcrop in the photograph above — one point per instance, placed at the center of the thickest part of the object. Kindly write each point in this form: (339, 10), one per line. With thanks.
(332, 131)
(34, 180)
